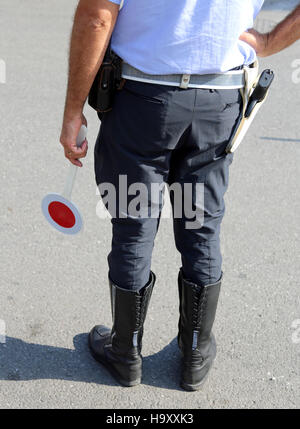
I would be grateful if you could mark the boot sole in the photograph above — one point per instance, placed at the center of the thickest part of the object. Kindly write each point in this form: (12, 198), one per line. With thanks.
(112, 371)
(193, 387)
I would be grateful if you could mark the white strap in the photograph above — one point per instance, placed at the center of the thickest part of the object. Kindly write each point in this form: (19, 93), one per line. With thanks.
(251, 76)
(243, 128)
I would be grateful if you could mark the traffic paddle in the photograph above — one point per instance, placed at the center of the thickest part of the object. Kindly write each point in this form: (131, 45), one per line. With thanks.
(58, 209)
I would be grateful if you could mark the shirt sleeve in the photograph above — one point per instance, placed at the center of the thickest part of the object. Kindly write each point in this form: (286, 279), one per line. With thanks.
(115, 1)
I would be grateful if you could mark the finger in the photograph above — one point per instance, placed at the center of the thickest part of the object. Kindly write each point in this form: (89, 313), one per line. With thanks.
(76, 162)
(246, 37)
(82, 151)
(82, 147)
(251, 40)
(73, 160)
(77, 152)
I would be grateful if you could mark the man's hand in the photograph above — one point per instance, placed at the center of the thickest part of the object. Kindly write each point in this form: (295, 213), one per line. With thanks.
(258, 41)
(70, 129)
(281, 37)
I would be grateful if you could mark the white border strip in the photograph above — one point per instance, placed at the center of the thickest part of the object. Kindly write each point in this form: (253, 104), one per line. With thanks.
(78, 220)
(163, 82)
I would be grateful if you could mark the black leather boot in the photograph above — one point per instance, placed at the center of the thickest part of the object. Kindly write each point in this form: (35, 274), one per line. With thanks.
(197, 309)
(119, 349)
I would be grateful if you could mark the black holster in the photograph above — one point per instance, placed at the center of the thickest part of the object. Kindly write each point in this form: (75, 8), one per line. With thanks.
(107, 81)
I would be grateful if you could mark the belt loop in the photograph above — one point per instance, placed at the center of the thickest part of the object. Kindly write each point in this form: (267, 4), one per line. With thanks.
(185, 80)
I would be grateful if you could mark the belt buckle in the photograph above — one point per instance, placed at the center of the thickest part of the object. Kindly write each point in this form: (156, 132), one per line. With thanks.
(185, 80)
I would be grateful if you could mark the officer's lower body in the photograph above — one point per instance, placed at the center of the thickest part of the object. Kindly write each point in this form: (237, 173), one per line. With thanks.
(159, 134)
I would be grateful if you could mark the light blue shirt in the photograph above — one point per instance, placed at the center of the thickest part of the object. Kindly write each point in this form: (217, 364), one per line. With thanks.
(184, 36)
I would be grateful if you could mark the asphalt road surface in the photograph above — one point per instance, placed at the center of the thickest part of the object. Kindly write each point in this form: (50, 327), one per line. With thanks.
(54, 287)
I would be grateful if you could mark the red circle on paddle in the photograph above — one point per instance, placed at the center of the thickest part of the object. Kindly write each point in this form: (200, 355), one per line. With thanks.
(61, 214)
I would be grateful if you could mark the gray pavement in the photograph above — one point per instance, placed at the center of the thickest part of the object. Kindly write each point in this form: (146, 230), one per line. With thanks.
(280, 4)
(53, 287)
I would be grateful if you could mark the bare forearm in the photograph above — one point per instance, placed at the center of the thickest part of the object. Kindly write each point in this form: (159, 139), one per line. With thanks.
(285, 33)
(93, 25)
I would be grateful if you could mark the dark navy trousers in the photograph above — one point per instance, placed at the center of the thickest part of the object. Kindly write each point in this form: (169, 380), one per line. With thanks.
(163, 134)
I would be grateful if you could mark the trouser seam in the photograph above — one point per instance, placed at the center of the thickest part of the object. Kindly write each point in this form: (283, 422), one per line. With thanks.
(194, 107)
(209, 262)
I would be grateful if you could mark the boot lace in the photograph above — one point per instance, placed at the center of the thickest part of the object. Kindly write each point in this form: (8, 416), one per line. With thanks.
(199, 300)
(140, 308)
(138, 311)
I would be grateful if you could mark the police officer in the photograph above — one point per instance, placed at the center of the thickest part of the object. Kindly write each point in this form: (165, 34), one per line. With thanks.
(171, 123)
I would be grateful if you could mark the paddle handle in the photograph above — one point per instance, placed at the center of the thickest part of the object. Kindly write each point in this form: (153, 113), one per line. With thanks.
(69, 184)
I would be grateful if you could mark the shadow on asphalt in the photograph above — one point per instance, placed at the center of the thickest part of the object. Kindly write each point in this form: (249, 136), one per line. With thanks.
(280, 139)
(21, 361)
(162, 369)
